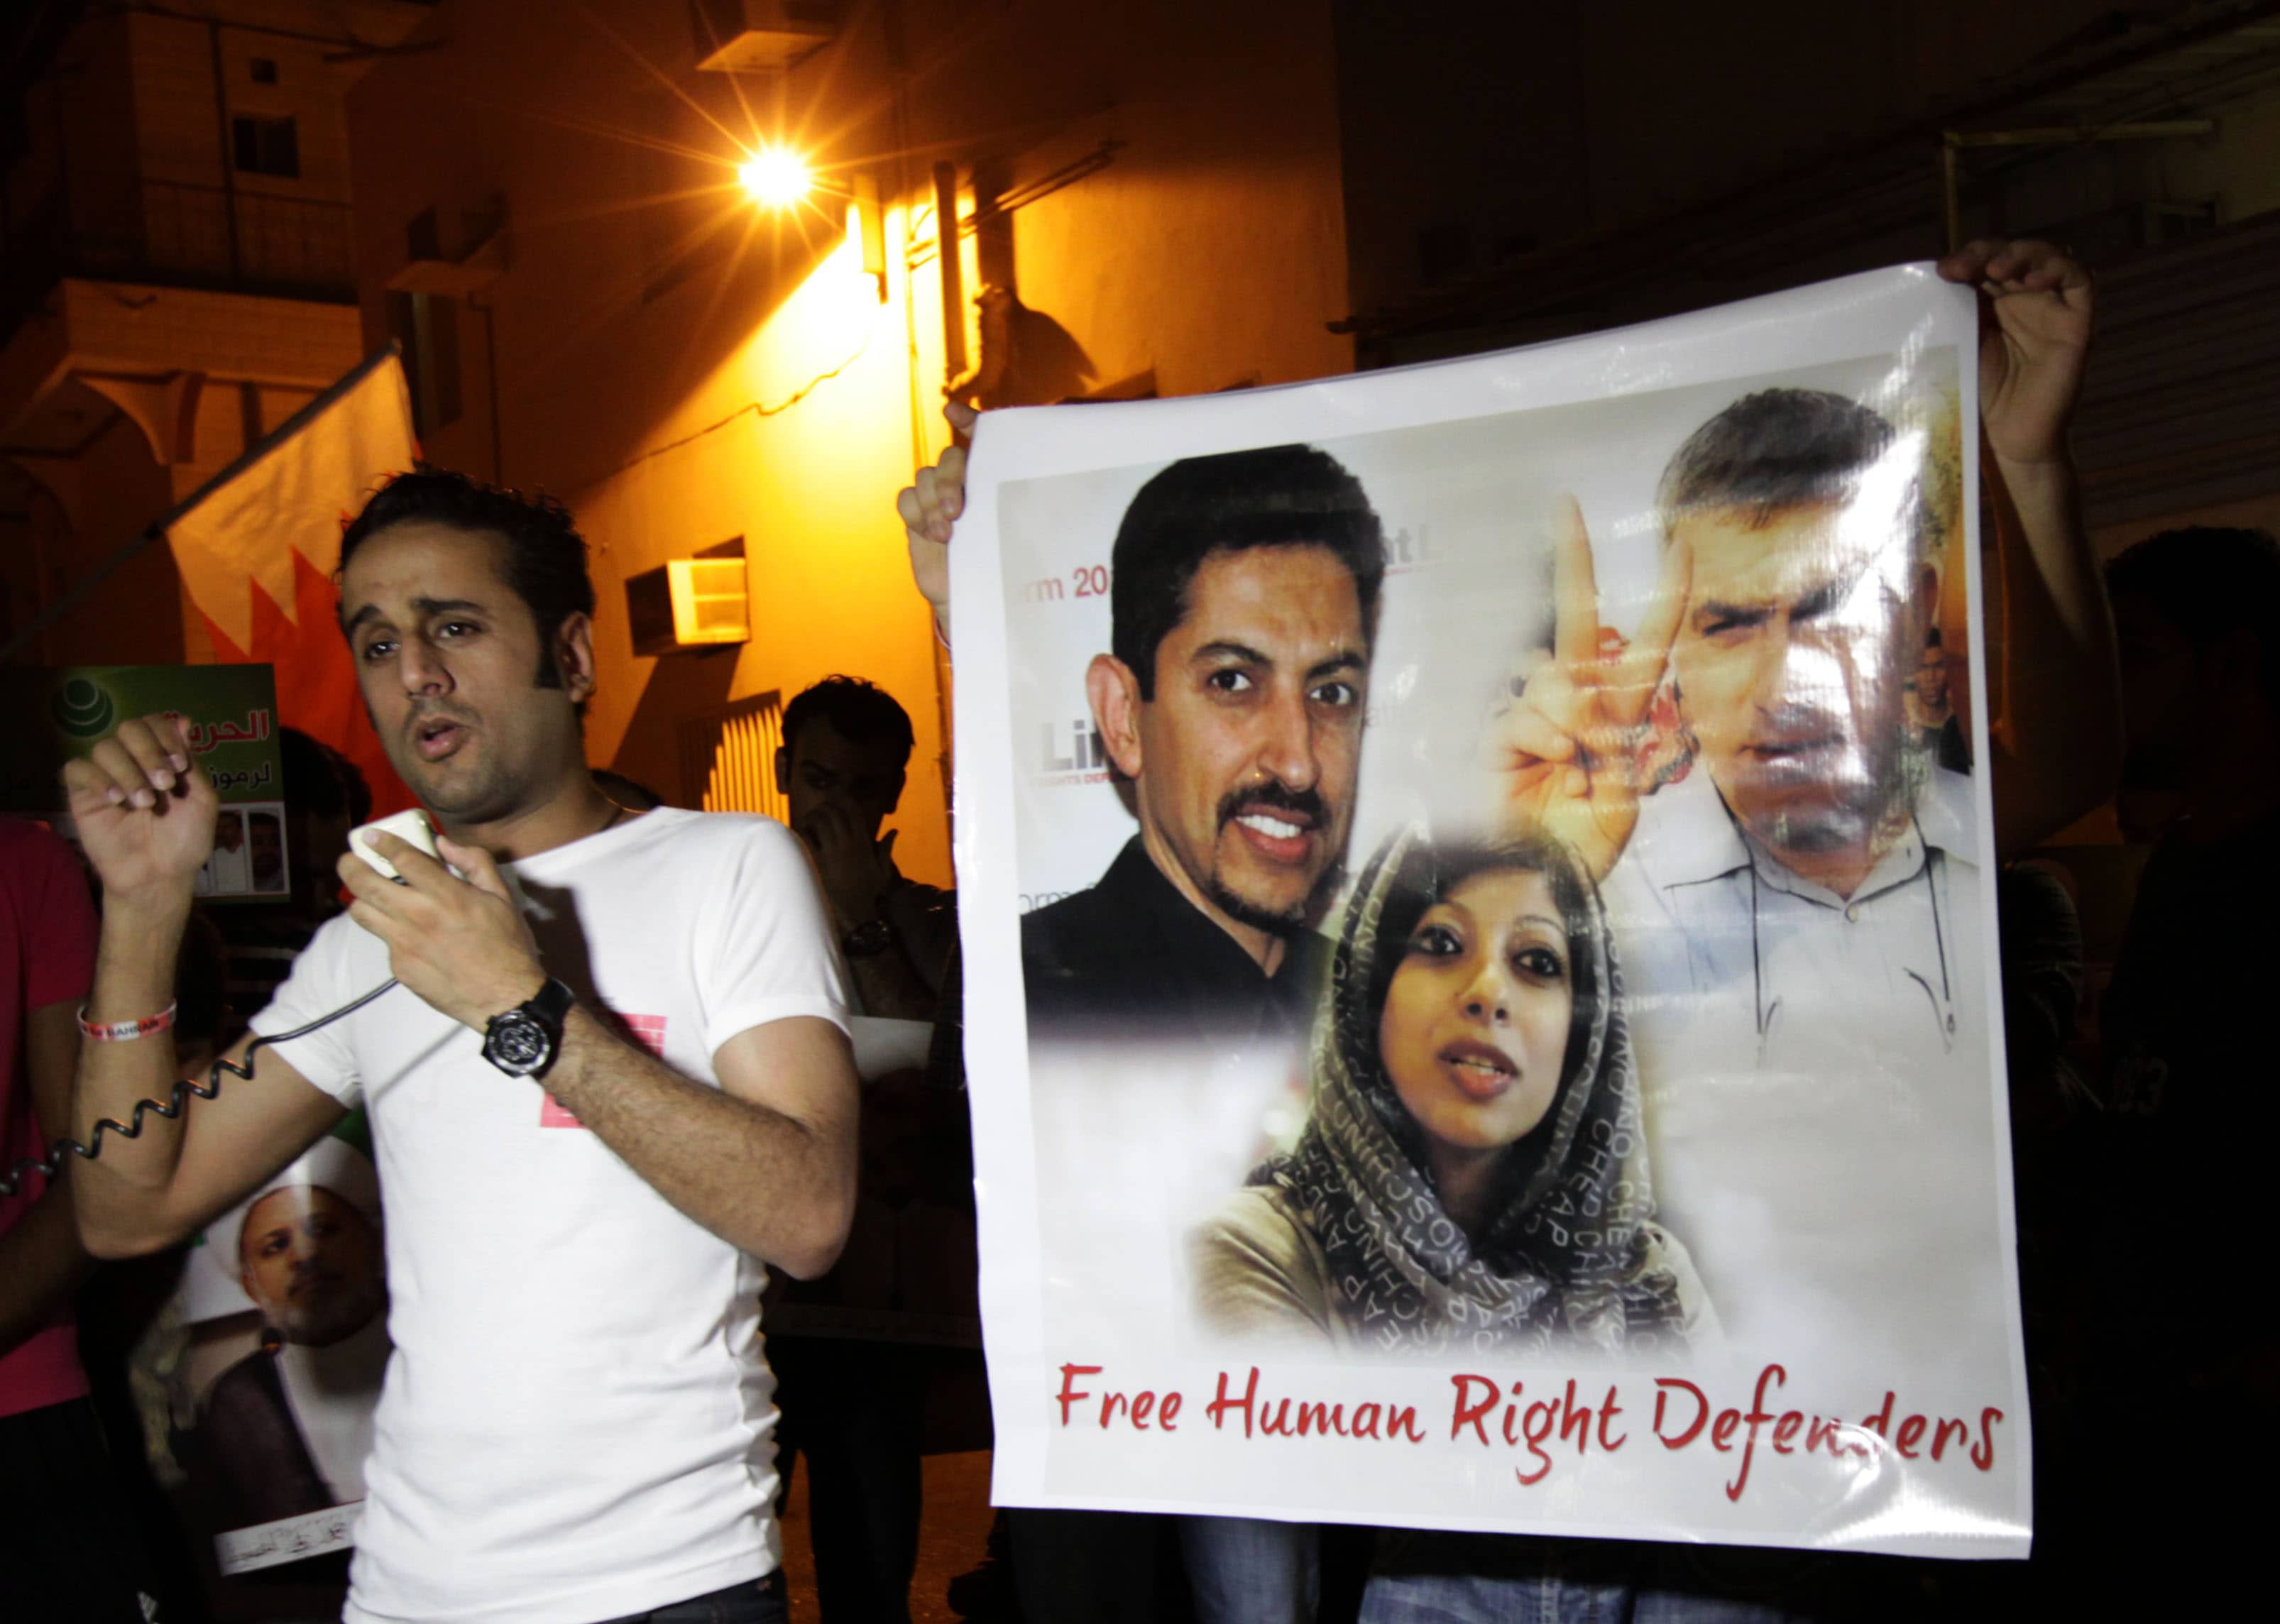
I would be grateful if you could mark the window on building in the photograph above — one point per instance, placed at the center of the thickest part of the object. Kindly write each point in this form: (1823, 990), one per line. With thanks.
(266, 146)
(727, 758)
(265, 70)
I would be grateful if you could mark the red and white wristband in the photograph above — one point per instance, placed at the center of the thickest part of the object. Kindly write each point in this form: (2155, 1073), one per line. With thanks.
(124, 1031)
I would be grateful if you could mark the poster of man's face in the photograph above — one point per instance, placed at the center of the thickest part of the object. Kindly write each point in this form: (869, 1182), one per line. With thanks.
(312, 1262)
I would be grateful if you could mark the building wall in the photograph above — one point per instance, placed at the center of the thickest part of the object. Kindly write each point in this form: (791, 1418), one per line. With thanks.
(683, 389)
(1488, 130)
(117, 248)
(137, 618)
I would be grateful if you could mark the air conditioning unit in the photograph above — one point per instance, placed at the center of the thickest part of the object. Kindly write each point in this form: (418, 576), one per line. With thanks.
(688, 605)
(757, 36)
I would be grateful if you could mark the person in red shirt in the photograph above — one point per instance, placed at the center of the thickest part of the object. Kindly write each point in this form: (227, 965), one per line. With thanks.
(58, 1507)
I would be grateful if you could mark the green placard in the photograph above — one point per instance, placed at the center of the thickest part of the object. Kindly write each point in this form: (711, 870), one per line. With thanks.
(51, 715)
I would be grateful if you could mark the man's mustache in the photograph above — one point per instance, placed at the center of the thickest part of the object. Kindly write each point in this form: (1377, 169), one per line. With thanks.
(307, 1275)
(1795, 723)
(1274, 795)
(430, 709)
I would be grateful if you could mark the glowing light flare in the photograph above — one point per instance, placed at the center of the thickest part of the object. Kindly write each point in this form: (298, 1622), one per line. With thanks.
(775, 176)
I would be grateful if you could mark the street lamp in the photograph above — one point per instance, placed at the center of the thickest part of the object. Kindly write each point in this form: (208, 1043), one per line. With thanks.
(776, 176)
(779, 178)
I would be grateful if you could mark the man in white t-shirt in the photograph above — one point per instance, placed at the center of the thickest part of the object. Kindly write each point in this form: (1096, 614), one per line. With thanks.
(613, 1090)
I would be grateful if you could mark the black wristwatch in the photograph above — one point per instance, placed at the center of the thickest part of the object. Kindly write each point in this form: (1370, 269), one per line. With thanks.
(868, 939)
(524, 1041)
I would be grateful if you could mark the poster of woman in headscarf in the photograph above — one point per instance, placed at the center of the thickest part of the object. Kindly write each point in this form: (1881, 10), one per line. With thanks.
(1489, 1019)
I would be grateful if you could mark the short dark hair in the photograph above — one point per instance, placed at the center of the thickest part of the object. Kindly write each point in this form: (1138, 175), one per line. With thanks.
(545, 555)
(1777, 451)
(860, 713)
(1279, 496)
(2209, 581)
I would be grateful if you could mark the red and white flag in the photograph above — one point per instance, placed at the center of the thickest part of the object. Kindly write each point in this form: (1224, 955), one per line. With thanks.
(258, 547)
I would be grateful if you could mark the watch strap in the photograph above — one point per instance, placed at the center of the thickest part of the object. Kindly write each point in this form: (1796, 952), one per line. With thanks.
(551, 1003)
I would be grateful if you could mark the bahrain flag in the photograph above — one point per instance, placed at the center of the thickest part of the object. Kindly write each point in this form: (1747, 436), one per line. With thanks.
(257, 548)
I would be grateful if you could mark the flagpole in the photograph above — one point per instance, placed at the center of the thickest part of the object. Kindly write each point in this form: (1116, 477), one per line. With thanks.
(156, 530)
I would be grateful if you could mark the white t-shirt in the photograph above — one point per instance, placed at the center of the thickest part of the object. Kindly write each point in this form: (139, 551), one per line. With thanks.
(1821, 1096)
(577, 1421)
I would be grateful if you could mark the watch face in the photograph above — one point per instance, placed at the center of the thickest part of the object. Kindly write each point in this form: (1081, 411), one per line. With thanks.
(517, 1045)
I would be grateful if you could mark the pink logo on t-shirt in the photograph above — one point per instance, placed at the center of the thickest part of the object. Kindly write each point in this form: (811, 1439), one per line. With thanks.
(553, 1113)
(644, 1031)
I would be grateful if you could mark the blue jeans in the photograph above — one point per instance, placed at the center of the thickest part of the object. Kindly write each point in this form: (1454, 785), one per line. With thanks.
(1447, 1598)
(1495, 1579)
(758, 1601)
(1247, 1570)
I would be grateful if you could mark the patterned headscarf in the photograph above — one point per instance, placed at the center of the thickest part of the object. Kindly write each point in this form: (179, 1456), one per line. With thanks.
(1561, 1258)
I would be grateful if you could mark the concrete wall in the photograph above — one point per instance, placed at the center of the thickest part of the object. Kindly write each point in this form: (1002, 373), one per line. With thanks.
(264, 359)
(1528, 125)
(683, 386)
(127, 134)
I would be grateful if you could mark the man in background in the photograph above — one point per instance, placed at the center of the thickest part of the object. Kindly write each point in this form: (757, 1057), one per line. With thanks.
(842, 765)
(2186, 1037)
(853, 1390)
(2198, 613)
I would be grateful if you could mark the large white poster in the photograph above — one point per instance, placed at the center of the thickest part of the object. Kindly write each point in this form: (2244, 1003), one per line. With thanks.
(1479, 924)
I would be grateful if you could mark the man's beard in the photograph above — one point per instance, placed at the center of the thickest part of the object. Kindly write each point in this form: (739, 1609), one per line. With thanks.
(1272, 796)
(338, 1312)
(493, 791)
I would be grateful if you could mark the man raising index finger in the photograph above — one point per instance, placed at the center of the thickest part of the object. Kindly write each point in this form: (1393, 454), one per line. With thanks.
(1562, 750)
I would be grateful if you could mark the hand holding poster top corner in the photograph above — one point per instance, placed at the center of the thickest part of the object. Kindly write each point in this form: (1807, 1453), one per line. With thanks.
(930, 506)
(2033, 341)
